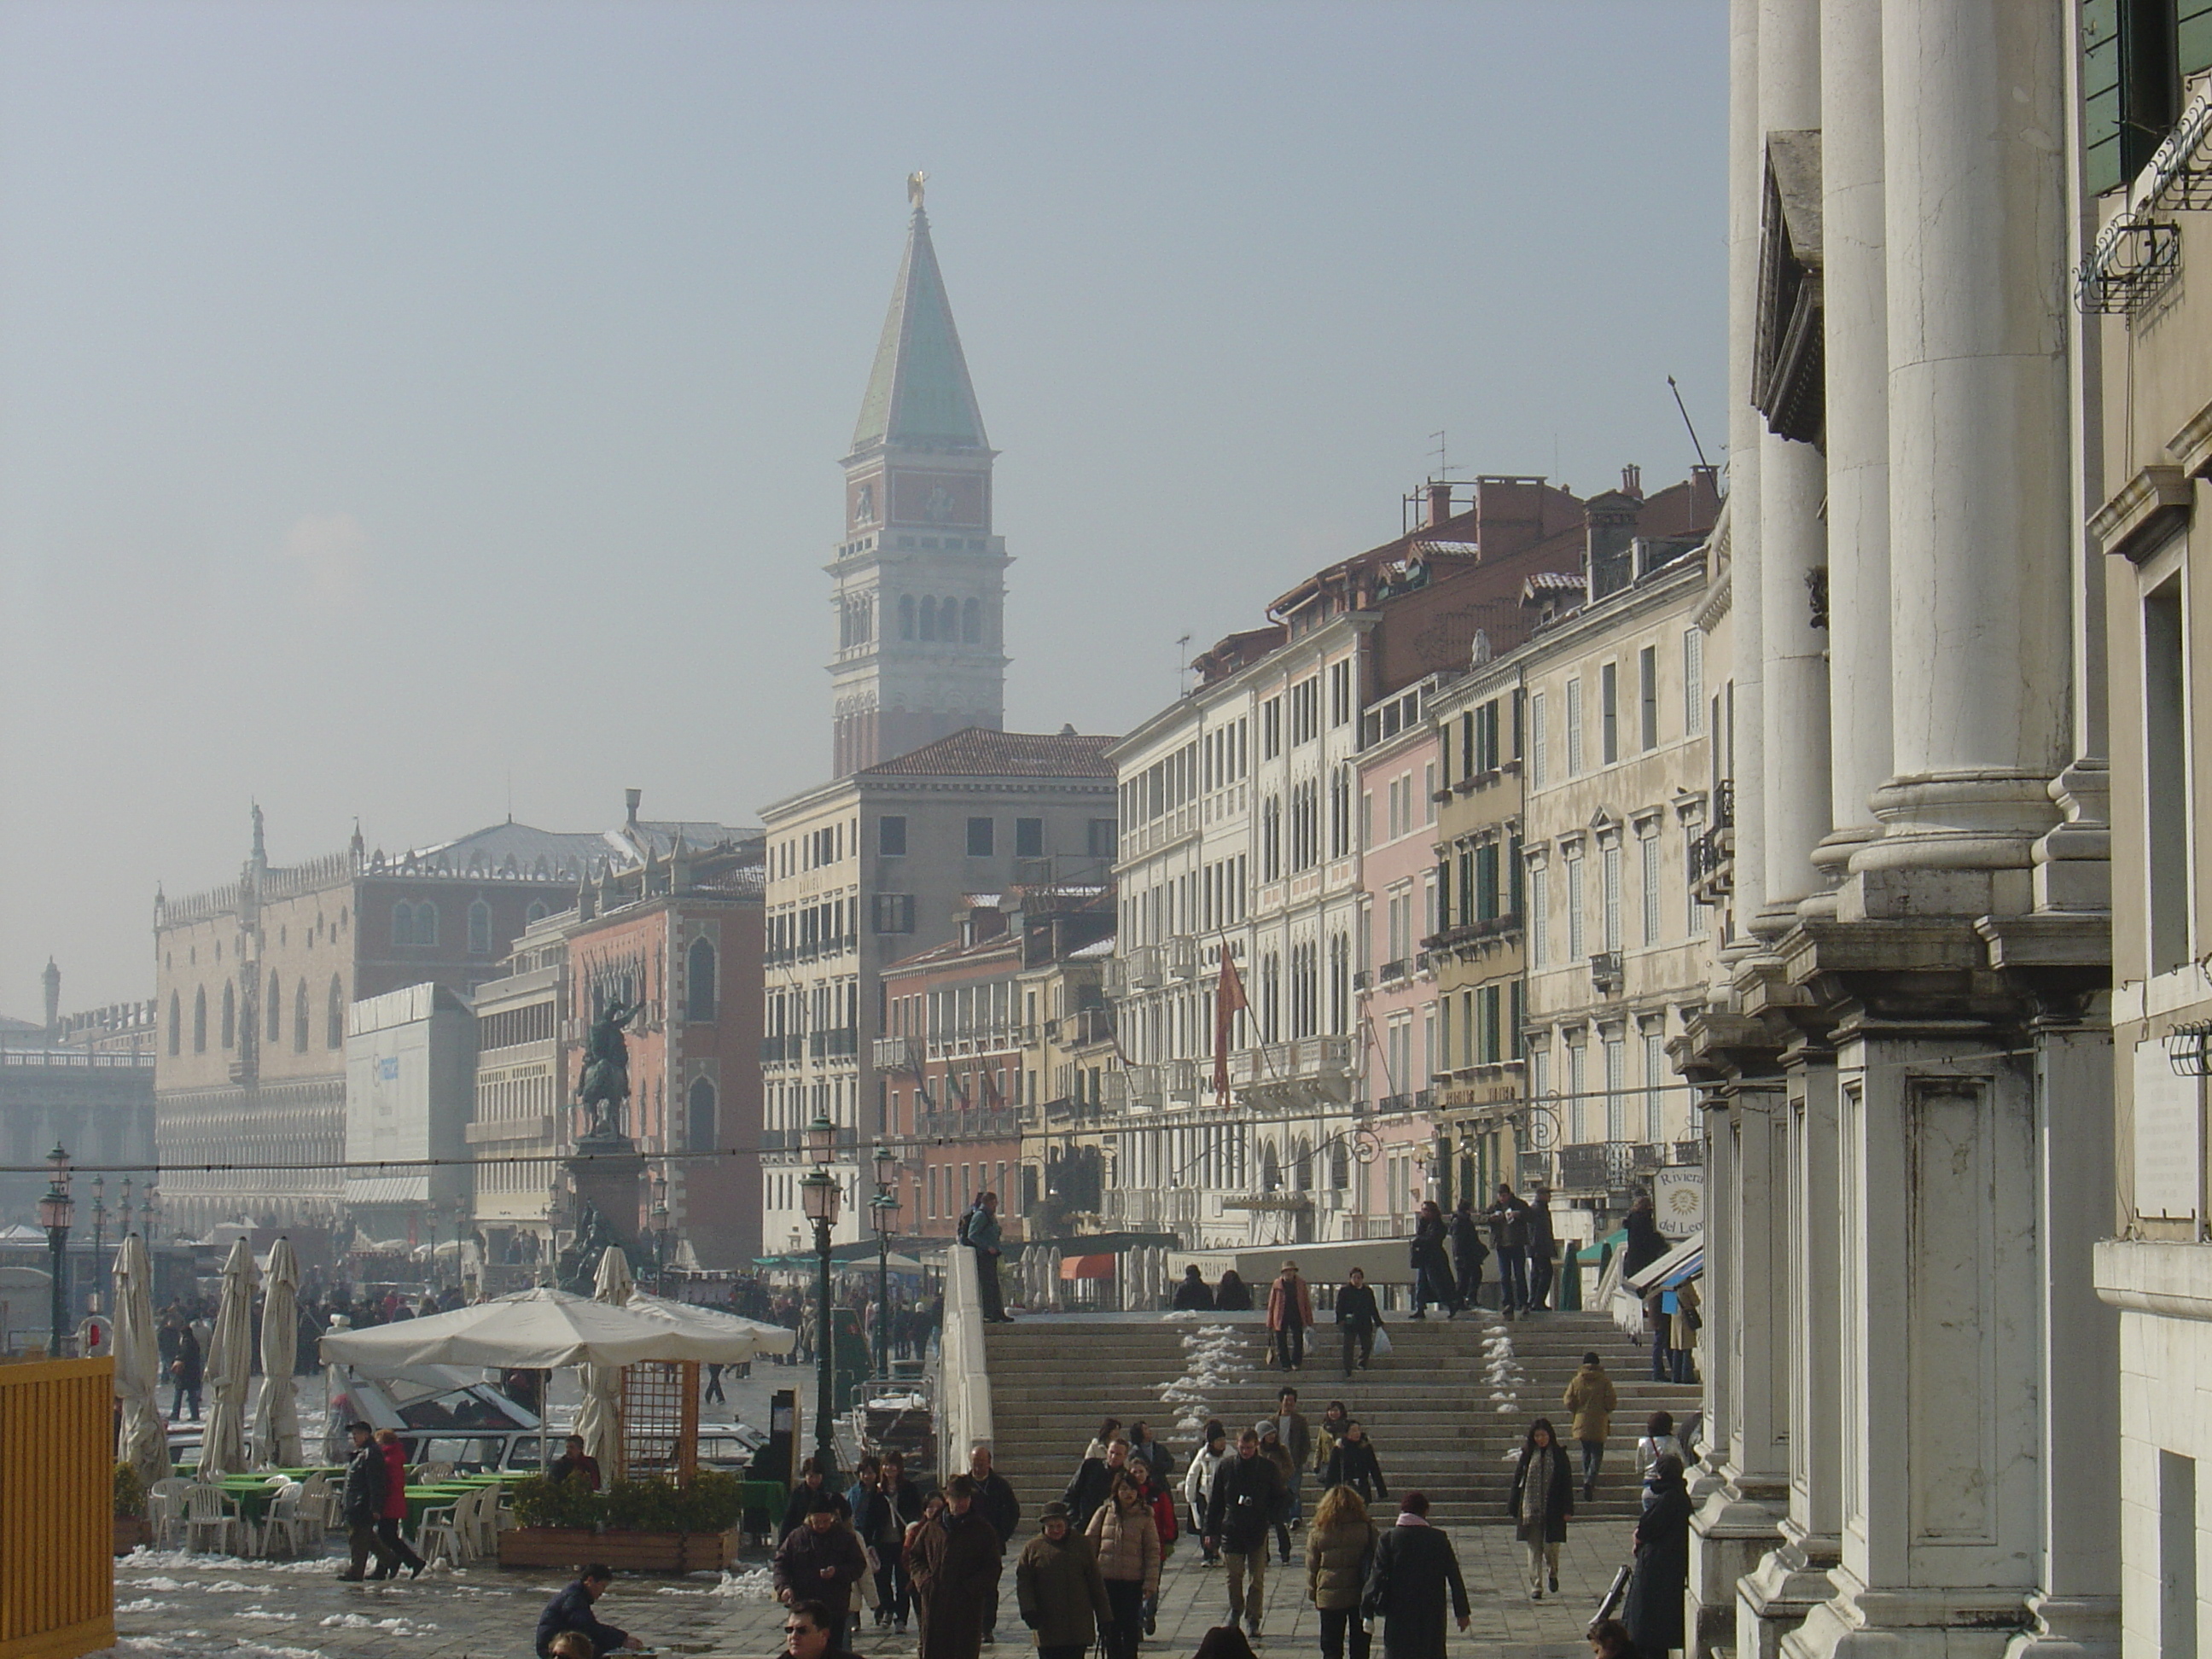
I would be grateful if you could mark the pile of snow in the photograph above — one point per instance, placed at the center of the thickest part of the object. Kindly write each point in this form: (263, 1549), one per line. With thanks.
(401, 1627)
(750, 1584)
(146, 1559)
(1215, 1361)
(1502, 1369)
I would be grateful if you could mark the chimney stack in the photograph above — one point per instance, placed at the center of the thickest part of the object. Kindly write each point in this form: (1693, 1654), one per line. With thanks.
(1439, 504)
(1631, 481)
(631, 798)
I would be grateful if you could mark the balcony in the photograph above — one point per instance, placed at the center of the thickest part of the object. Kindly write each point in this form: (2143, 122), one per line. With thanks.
(1724, 804)
(1182, 957)
(1362, 979)
(898, 1054)
(1473, 937)
(840, 1043)
(1606, 972)
(1393, 1105)
(1086, 1026)
(775, 1050)
(1144, 1085)
(1304, 1071)
(1143, 966)
(1394, 970)
(1627, 1161)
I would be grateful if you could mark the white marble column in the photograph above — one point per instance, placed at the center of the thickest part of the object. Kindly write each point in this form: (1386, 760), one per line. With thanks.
(1747, 668)
(1981, 547)
(1792, 540)
(1854, 289)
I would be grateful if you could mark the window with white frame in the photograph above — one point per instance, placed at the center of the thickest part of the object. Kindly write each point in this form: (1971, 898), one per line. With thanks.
(1539, 915)
(1693, 683)
(1539, 749)
(1574, 727)
(1616, 1098)
(1575, 943)
(1647, 849)
(1609, 862)
(1578, 1087)
(1655, 1080)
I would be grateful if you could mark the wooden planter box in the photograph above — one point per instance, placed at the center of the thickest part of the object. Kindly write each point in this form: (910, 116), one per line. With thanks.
(131, 1531)
(625, 1552)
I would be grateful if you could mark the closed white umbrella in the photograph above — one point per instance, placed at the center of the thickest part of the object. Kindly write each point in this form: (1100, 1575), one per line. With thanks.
(277, 1414)
(600, 1420)
(143, 1439)
(230, 1366)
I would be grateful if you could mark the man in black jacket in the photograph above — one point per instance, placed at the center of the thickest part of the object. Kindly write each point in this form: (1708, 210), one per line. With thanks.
(1356, 1316)
(996, 1503)
(1468, 1251)
(1247, 1490)
(1414, 1566)
(572, 1610)
(821, 1561)
(362, 1503)
(1543, 1248)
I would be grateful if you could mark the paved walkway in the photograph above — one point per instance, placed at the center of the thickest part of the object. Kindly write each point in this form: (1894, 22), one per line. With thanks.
(193, 1608)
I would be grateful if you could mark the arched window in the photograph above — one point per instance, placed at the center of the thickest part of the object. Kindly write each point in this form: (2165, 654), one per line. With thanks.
(426, 923)
(276, 1011)
(300, 1017)
(699, 1133)
(536, 912)
(402, 923)
(928, 618)
(699, 981)
(480, 929)
(334, 1017)
(230, 1014)
(971, 622)
(176, 1024)
(906, 616)
(199, 1021)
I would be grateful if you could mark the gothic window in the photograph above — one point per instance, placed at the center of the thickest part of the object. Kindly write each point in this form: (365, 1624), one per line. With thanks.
(334, 1017)
(199, 1021)
(230, 1015)
(176, 1024)
(699, 1135)
(948, 619)
(402, 923)
(699, 981)
(480, 928)
(275, 1012)
(971, 622)
(536, 912)
(929, 617)
(906, 616)
(300, 1017)
(426, 923)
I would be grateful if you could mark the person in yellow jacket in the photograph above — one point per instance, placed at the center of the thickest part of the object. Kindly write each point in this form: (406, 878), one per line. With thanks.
(1591, 1398)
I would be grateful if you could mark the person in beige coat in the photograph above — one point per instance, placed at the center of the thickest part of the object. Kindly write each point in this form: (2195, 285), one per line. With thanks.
(1592, 1399)
(1128, 1545)
(1339, 1547)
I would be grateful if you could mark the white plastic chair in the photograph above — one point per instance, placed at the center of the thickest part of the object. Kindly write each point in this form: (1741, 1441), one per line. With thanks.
(210, 1509)
(484, 1539)
(165, 1508)
(295, 1525)
(444, 1531)
(429, 1475)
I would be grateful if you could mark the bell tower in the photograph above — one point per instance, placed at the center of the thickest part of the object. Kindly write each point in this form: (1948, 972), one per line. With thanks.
(919, 580)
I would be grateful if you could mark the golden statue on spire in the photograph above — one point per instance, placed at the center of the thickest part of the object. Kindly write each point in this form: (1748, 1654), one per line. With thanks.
(914, 181)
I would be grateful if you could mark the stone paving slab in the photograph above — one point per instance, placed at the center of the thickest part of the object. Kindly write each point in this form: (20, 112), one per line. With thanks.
(170, 1606)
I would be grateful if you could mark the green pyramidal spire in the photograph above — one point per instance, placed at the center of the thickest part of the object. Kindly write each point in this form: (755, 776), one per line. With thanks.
(919, 392)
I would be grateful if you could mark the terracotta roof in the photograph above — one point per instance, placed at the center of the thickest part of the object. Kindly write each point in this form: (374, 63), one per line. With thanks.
(977, 751)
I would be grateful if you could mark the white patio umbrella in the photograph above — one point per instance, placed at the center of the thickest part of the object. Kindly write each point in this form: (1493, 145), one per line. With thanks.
(230, 1365)
(600, 1420)
(534, 1330)
(143, 1439)
(766, 1338)
(277, 1414)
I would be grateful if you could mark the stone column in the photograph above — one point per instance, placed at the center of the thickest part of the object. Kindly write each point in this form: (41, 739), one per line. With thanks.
(1854, 289)
(1792, 540)
(1747, 669)
(1774, 1598)
(1981, 547)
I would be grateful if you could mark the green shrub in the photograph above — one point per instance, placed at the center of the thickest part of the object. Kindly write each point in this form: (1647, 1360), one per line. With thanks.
(542, 1502)
(651, 1503)
(129, 1493)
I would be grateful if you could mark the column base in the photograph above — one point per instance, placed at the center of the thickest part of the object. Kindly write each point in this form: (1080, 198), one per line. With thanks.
(1775, 1597)
(2070, 1627)
(1856, 1622)
(1738, 1522)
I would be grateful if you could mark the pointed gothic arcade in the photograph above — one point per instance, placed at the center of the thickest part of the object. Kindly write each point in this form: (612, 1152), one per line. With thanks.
(919, 579)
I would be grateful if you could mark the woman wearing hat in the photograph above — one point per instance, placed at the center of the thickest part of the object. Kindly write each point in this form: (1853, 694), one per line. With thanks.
(1061, 1597)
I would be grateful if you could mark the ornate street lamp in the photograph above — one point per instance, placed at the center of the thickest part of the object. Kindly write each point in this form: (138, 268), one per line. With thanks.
(99, 1230)
(821, 1196)
(660, 1231)
(884, 1210)
(55, 1210)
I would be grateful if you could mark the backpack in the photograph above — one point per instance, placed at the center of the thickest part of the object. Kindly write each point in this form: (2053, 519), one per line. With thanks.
(966, 1216)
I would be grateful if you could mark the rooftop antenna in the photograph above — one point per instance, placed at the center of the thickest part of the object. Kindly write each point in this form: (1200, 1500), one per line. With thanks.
(1443, 460)
(1694, 444)
(1183, 663)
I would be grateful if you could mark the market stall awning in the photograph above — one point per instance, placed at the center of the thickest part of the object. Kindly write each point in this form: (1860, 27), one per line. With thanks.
(538, 1328)
(1086, 1266)
(1686, 1261)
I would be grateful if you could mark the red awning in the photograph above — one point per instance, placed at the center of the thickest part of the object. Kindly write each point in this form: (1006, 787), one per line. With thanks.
(1086, 1266)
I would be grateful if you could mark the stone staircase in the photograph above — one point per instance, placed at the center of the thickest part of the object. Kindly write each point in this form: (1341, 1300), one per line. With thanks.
(1429, 1406)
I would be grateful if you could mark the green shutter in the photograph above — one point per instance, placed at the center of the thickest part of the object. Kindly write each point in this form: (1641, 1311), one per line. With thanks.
(2100, 92)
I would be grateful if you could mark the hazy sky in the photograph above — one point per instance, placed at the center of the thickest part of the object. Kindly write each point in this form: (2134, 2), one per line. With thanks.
(409, 410)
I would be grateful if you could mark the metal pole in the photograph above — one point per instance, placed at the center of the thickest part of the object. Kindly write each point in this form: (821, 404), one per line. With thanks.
(825, 1442)
(883, 1302)
(57, 1244)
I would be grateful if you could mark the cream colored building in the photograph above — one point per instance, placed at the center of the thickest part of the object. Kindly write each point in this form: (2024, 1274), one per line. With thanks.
(1616, 791)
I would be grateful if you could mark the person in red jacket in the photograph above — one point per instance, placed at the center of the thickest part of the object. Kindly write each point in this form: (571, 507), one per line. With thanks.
(395, 1509)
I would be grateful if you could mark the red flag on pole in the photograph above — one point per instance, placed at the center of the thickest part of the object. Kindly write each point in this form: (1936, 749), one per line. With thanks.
(1228, 1002)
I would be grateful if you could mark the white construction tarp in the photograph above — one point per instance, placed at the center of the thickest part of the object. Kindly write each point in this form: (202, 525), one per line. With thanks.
(535, 1329)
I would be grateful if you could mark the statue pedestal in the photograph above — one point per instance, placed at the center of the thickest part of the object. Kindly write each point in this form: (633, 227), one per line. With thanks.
(606, 1172)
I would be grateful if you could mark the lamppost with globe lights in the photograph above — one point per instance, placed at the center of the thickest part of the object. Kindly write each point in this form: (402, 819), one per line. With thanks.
(822, 1198)
(883, 1210)
(56, 1211)
(660, 1232)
